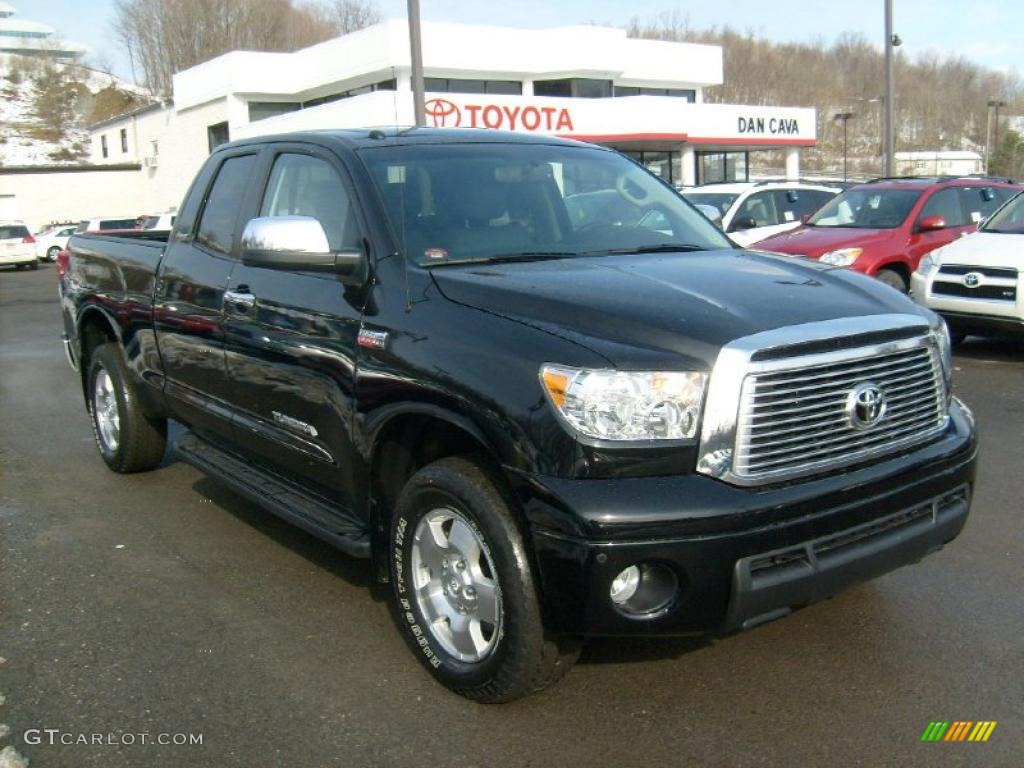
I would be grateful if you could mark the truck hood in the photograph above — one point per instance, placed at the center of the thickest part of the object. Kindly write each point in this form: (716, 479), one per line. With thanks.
(814, 241)
(984, 249)
(636, 310)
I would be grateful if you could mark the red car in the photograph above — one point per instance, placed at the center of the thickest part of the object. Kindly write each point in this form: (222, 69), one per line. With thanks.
(885, 227)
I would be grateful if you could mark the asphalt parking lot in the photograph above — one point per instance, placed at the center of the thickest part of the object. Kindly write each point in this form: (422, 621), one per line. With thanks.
(162, 603)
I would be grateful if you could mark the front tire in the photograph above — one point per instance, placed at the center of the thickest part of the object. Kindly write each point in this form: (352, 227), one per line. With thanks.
(51, 252)
(128, 440)
(464, 595)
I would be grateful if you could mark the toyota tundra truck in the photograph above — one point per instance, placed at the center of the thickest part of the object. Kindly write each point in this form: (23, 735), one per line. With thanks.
(538, 429)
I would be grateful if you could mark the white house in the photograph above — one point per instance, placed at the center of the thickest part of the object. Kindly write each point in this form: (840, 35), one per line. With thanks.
(939, 163)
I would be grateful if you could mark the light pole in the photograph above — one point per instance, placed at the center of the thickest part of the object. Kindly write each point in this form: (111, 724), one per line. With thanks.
(416, 56)
(845, 117)
(988, 129)
(891, 41)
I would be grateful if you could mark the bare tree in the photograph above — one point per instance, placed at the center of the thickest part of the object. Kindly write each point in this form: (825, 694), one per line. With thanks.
(351, 15)
(941, 100)
(166, 36)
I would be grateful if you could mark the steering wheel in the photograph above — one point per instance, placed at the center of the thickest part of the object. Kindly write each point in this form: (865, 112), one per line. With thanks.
(623, 186)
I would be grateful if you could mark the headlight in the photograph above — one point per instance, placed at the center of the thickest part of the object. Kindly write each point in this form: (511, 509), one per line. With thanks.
(945, 345)
(844, 257)
(626, 405)
(929, 265)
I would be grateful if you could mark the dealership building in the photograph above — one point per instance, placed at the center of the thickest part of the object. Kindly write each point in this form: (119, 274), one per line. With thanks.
(642, 97)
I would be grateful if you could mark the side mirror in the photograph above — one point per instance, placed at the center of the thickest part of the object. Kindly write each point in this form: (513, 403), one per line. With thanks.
(931, 223)
(747, 222)
(298, 243)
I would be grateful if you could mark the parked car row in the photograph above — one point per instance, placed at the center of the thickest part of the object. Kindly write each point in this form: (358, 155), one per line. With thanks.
(20, 248)
(885, 227)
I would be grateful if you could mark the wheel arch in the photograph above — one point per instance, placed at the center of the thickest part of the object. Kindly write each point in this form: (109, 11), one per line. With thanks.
(407, 439)
(94, 327)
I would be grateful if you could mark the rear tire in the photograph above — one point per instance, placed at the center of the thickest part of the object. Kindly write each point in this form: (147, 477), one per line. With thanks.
(463, 590)
(893, 279)
(128, 440)
(34, 265)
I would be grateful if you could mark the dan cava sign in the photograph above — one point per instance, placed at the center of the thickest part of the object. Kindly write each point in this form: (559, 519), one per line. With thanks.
(442, 113)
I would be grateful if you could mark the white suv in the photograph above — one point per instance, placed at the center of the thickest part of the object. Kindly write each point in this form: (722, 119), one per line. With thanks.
(52, 240)
(975, 282)
(753, 210)
(17, 246)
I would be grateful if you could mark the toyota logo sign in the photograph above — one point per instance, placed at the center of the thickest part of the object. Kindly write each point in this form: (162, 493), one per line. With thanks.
(865, 406)
(972, 279)
(443, 113)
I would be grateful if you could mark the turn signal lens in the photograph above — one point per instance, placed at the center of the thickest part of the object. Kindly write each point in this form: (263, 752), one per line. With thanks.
(556, 384)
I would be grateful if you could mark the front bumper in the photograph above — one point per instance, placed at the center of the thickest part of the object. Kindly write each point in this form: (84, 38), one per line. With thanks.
(742, 556)
(971, 315)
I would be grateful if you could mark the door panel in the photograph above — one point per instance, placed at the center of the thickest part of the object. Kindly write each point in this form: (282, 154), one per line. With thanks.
(291, 354)
(188, 305)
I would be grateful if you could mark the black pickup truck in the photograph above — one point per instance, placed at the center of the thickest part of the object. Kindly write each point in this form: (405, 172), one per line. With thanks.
(535, 386)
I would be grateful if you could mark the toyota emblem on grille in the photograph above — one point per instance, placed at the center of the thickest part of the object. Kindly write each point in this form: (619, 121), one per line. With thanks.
(865, 406)
(972, 279)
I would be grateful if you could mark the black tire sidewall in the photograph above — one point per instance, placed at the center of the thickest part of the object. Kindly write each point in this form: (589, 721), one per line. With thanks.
(504, 545)
(52, 251)
(101, 361)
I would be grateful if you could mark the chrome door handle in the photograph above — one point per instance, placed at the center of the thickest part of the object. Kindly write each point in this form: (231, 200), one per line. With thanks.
(241, 301)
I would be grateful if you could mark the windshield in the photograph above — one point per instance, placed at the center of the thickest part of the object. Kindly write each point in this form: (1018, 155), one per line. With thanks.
(451, 203)
(720, 201)
(867, 208)
(1008, 220)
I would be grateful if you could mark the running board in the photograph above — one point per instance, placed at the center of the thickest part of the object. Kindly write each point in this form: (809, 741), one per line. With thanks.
(336, 526)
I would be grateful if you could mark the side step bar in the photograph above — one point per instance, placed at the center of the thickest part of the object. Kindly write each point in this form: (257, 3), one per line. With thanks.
(336, 526)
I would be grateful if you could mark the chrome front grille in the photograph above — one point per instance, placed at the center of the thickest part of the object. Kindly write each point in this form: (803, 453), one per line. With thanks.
(796, 416)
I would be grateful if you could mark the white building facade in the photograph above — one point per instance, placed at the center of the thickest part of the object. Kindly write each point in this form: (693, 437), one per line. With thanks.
(642, 97)
(32, 38)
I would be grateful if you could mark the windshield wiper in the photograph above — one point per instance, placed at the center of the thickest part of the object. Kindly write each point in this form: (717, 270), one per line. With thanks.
(505, 258)
(659, 248)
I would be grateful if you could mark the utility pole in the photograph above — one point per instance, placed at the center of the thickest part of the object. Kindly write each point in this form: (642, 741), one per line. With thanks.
(416, 55)
(988, 130)
(891, 42)
(845, 117)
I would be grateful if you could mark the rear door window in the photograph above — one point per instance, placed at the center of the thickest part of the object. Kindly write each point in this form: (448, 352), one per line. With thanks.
(117, 224)
(217, 225)
(980, 202)
(13, 232)
(793, 204)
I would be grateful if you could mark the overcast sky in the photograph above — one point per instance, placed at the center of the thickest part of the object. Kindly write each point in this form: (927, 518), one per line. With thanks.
(986, 31)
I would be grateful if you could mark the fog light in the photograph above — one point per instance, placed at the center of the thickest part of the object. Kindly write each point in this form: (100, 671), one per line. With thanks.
(644, 590)
(625, 585)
